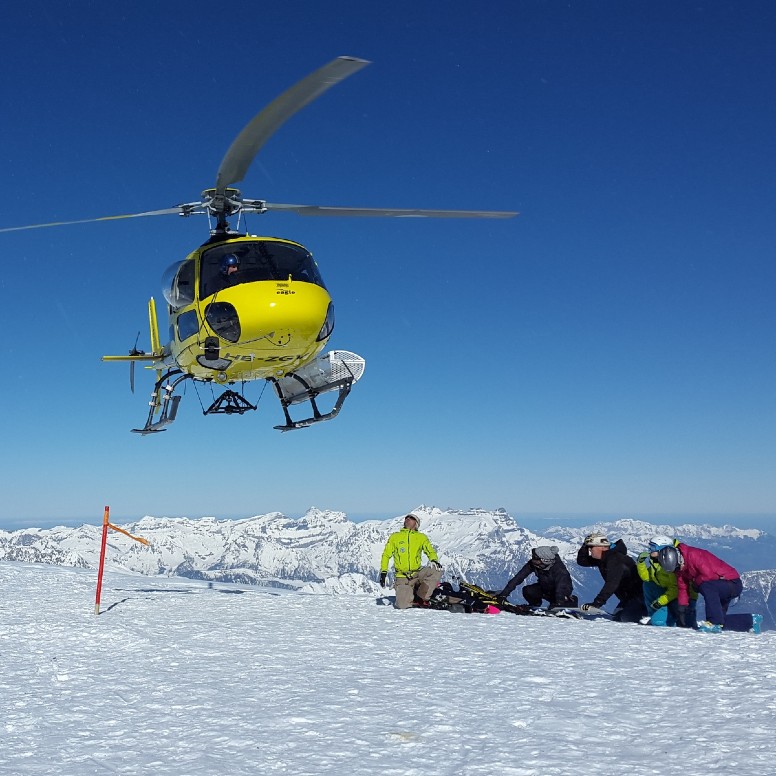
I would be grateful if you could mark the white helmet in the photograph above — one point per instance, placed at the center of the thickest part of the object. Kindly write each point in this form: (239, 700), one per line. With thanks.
(596, 540)
(656, 543)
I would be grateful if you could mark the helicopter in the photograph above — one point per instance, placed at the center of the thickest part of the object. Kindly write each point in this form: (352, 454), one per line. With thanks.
(242, 307)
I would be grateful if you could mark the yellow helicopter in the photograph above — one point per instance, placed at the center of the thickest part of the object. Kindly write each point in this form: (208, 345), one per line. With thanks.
(242, 307)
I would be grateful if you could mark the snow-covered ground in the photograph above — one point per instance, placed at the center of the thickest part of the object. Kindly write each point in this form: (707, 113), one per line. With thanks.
(181, 678)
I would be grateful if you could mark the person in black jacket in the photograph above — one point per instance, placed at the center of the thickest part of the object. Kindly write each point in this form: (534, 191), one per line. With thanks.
(553, 579)
(621, 577)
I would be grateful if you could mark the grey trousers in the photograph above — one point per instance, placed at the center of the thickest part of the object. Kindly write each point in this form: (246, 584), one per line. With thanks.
(422, 584)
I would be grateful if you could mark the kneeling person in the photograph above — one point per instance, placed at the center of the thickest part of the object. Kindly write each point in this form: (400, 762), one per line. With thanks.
(553, 579)
(407, 547)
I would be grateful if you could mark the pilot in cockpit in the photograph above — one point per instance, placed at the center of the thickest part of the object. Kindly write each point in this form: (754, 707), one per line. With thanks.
(230, 266)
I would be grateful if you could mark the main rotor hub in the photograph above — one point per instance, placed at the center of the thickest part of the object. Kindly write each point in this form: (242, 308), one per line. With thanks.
(226, 204)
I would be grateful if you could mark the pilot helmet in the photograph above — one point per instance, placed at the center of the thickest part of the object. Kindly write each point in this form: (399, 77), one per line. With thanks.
(227, 261)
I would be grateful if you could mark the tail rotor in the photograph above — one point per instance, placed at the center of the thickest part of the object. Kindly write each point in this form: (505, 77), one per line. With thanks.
(134, 352)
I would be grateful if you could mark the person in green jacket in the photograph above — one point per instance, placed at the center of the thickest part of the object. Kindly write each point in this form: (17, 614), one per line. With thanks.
(660, 589)
(407, 547)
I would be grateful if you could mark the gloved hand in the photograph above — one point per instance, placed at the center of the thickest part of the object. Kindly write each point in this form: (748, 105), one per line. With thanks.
(383, 577)
(435, 564)
(655, 605)
(589, 608)
(643, 557)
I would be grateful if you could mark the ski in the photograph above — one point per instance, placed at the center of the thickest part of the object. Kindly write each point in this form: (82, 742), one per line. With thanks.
(579, 613)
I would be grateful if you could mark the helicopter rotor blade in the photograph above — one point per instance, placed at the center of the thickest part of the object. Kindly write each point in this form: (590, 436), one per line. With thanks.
(246, 145)
(381, 212)
(165, 212)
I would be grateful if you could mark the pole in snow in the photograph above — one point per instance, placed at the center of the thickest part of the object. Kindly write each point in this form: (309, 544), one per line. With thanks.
(105, 526)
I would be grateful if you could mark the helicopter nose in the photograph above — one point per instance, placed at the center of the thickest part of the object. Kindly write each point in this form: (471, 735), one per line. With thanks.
(283, 315)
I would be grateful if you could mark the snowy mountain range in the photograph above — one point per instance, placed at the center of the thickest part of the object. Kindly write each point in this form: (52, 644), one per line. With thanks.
(324, 551)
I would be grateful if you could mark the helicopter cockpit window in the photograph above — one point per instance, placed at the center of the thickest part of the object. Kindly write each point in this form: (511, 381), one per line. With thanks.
(178, 284)
(231, 264)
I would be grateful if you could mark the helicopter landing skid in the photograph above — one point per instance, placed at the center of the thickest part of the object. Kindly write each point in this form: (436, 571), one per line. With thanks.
(162, 397)
(164, 401)
(310, 394)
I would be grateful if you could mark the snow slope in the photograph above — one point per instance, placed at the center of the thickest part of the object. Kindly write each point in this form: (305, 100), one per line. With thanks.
(185, 678)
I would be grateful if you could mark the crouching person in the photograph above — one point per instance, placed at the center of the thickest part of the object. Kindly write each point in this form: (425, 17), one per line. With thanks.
(412, 579)
(553, 581)
(660, 590)
(718, 582)
(621, 579)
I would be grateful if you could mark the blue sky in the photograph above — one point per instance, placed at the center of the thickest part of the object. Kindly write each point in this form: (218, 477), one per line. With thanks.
(609, 351)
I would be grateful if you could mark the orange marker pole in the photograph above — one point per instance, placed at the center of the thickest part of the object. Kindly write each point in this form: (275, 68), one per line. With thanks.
(105, 524)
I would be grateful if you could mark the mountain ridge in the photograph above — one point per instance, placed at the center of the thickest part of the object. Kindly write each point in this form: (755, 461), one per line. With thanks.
(314, 551)
(223, 543)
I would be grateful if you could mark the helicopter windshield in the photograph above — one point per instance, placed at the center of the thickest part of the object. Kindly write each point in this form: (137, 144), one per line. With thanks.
(231, 264)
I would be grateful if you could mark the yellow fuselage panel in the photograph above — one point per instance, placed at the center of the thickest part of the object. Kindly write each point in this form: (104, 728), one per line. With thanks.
(280, 322)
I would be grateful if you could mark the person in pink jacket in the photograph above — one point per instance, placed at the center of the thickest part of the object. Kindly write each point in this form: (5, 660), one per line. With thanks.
(718, 582)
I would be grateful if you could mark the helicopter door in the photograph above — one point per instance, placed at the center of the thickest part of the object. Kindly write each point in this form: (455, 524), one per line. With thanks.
(178, 284)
